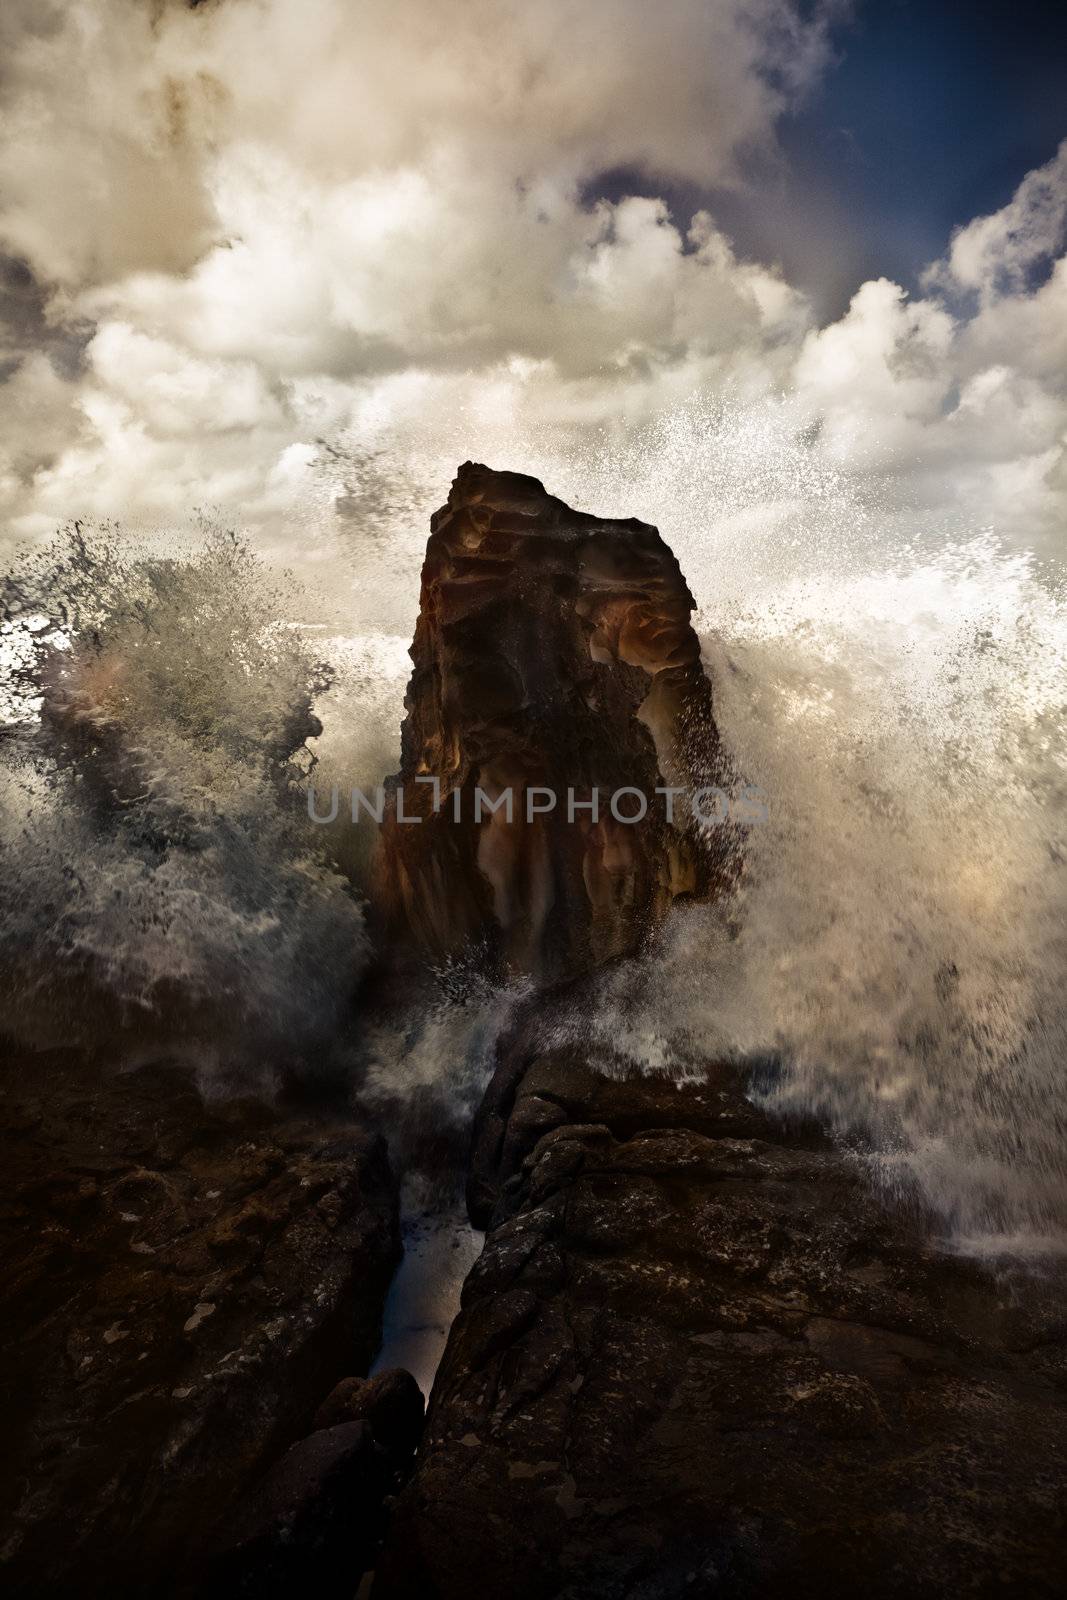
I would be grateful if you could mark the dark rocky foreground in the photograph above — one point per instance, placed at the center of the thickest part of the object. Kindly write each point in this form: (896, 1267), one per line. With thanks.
(183, 1284)
(699, 1357)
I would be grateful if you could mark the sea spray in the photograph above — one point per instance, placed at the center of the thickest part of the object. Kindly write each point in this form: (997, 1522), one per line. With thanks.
(898, 692)
(157, 881)
(897, 687)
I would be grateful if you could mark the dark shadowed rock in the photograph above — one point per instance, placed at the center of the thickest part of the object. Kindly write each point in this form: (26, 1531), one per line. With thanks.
(700, 1357)
(553, 650)
(312, 1526)
(391, 1405)
(182, 1284)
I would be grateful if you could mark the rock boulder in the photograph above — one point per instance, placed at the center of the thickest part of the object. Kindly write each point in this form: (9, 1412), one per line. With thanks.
(554, 654)
(183, 1285)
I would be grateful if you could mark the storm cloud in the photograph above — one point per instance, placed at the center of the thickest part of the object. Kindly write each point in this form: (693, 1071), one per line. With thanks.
(247, 227)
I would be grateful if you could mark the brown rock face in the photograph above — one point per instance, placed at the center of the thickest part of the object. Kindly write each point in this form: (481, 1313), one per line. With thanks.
(554, 652)
(182, 1285)
(699, 1357)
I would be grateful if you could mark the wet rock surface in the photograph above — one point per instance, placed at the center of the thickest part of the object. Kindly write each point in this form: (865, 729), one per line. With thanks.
(391, 1405)
(183, 1284)
(700, 1356)
(553, 652)
(312, 1526)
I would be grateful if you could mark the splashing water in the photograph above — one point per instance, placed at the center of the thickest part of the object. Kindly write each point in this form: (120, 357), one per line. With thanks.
(156, 874)
(902, 937)
(903, 940)
(896, 687)
(906, 935)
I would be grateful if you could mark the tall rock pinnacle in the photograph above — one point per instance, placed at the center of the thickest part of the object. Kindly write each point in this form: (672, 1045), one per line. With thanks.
(553, 652)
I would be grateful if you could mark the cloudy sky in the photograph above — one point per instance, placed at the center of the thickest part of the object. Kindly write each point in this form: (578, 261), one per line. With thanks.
(244, 239)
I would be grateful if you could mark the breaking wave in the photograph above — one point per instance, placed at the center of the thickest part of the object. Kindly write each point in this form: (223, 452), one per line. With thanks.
(896, 688)
(899, 692)
(159, 884)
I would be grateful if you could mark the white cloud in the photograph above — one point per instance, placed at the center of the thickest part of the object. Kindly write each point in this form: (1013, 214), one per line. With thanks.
(267, 209)
(879, 371)
(115, 110)
(994, 255)
(175, 394)
(288, 222)
(101, 165)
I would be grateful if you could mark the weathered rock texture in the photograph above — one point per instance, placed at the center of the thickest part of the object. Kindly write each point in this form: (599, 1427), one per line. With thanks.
(182, 1286)
(391, 1404)
(553, 650)
(312, 1526)
(314, 1522)
(699, 1357)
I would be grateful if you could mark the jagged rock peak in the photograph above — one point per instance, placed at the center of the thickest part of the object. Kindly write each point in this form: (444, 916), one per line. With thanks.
(554, 652)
